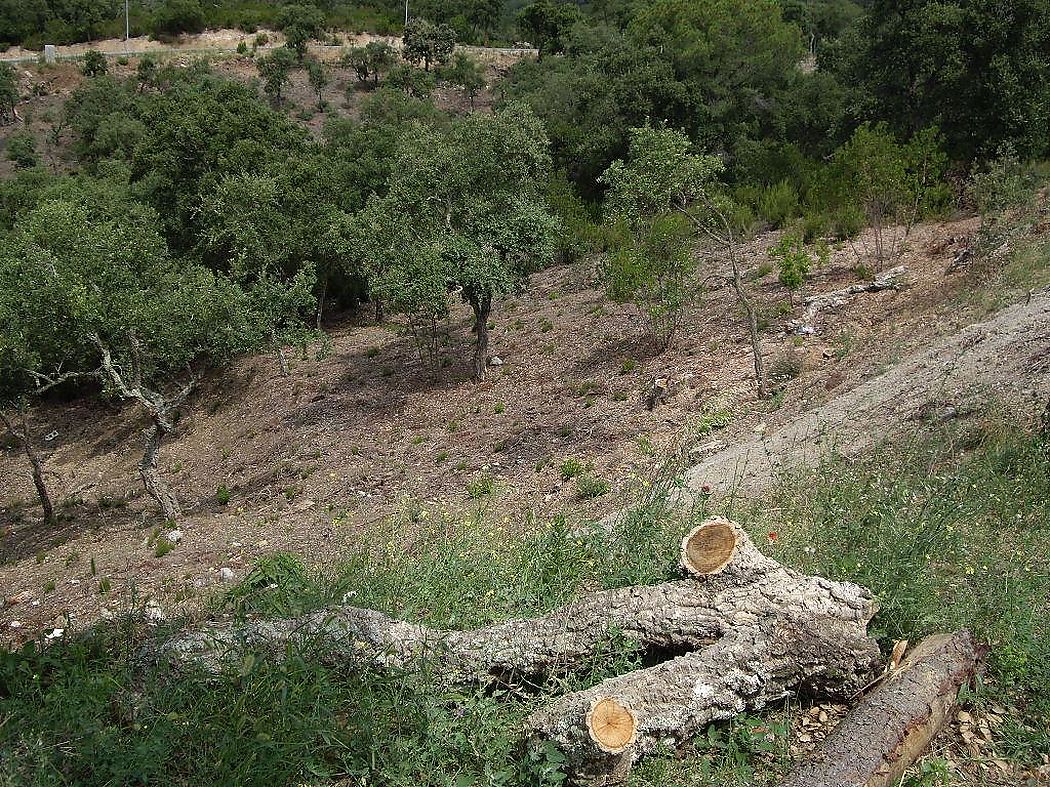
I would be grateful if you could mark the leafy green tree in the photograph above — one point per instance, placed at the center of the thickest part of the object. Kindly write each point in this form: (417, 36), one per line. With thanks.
(654, 268)
(894, 184)
(467, 73)
(484, 16)
(793, 262)
(734, 58)
(411, 81)
(473, 193)
(547, 23)
(370, 61)
(95, 64)
(319, 79)
(197, 131)
(977, 69)
(589, 101)
(146, 72)
(428, 43)
(276, 71)
(176, 17)
(21, 149)
(149, 324)
(8, 93)
(300, 25)
(661, 176)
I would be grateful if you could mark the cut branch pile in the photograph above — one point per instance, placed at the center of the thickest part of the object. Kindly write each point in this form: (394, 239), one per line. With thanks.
(748, 630)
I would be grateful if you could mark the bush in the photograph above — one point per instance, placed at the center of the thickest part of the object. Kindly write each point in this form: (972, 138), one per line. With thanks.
(95, 64)
(176, 17)
(21, 149)
(778, 204)
(589, 486)
(572, 468)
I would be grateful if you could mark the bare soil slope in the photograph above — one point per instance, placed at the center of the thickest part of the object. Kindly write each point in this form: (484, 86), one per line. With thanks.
(360, 433)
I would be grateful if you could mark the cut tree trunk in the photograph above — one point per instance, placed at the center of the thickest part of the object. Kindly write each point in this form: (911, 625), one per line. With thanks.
(155, 484)
(889, 280)
(874, 745)
(746, 631)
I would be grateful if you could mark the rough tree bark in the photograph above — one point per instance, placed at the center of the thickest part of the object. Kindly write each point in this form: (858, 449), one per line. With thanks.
(878, 740)
(748, 629)
(161, 407)
(155, 485)
(36, 464)
(482, 306)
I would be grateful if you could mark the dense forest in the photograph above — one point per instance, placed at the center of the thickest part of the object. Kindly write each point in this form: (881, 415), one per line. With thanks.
(173, 220)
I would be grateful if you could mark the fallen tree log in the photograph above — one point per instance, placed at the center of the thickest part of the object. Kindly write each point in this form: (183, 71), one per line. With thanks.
(740, 632)
(878, 740)
(888, 280)
(733, 583)
(764, 661)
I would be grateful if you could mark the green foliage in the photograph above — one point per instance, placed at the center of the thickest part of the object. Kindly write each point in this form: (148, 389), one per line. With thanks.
(95, 64)
(976, 69)
(371, 60)
(175, 17)
(546, 24)
(8, 92)
(572, 468)
(947, 533)
(731, 57)
(411, 81)
(318, 77)
(792, 260)
(653, 265)
(300, 24)
(275, 70)
(428, 43)
(466, 73)
(21, 149)
(463, 206)
(1004, 193)
(589, 486)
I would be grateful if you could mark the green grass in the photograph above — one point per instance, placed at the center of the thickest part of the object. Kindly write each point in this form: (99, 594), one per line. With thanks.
(948, 533)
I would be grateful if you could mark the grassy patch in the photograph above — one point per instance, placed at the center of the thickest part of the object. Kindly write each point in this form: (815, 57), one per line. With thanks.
(947, 533)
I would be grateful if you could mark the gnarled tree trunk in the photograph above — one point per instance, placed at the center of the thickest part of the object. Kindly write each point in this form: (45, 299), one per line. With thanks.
(36, 464)
(155, 484)
(482, 306)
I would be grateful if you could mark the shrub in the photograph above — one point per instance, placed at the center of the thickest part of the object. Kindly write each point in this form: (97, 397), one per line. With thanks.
(778, 203)
(589, 486)
(481, 486)
(95, 64)
(793, 261)
(786, 367)
(572, 468)
(21, 149)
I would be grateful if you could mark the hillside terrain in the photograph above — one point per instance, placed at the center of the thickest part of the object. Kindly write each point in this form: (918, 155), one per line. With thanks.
(360, 433)
(623, 400)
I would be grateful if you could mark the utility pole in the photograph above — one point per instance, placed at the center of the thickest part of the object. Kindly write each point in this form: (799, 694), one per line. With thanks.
(406, 12)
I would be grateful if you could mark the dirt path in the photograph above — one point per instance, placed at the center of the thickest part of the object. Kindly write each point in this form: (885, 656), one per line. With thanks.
(1005, 360)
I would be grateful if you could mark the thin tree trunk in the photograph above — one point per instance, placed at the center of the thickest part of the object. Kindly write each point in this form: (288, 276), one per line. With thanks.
(321, 302)
(752, 325)
(36, 465)
(482, 309)
(155, 485)
(380, 316)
